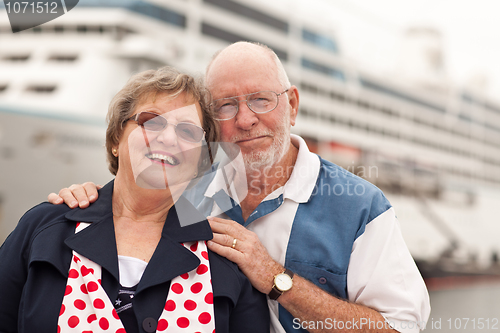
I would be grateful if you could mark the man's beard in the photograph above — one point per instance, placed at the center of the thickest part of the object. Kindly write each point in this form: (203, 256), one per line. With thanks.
(258, 160)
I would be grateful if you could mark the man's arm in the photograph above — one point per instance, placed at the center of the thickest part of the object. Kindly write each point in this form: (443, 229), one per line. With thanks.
(76, 195)
(304, 301)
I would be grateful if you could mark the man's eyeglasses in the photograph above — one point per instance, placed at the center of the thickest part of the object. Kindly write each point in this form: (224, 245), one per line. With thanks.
(259, 102)
(155, 123)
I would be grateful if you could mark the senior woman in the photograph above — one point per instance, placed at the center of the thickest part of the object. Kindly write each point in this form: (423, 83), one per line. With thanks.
(127, 264)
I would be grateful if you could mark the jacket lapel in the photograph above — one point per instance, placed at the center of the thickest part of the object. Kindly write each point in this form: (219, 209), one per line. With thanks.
(97, 242)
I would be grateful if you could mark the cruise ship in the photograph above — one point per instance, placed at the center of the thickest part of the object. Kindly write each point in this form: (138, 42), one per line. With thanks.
(432, 146)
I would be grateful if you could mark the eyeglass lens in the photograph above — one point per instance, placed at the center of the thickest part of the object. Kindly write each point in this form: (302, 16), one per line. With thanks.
(259, 102)
(155, 122)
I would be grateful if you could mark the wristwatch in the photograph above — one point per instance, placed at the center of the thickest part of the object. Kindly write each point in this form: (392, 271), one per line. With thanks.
(282, 282)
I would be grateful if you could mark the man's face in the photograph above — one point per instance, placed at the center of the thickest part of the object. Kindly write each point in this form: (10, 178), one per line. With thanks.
(263, 138)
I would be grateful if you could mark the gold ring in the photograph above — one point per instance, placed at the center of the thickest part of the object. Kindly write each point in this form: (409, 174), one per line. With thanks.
(234, 243)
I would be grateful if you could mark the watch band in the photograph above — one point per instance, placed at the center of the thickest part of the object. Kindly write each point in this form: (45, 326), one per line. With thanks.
(275, 292)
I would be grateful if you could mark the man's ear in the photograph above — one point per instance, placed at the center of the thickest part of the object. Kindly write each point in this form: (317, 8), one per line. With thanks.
(293, 100)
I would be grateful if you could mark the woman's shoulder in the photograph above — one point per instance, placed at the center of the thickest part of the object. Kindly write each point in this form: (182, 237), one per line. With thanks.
(227, 278)
(249, 310)
(42, 224)
(40, 217)
(44, 213)
(222, 264)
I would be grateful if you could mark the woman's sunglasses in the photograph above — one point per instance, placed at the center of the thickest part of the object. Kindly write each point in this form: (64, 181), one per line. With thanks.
(155, 123)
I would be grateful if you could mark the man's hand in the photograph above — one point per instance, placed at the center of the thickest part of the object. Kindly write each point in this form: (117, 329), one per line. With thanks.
(248, 253)
(76, 195)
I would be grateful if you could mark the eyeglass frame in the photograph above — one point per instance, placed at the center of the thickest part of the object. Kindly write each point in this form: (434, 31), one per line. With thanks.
(135, 118)
(246, 100)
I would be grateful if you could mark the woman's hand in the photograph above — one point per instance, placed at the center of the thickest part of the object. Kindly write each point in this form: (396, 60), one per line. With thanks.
(76, 195)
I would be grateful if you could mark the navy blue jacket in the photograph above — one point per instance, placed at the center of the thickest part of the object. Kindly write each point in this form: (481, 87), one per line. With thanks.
(35, 259)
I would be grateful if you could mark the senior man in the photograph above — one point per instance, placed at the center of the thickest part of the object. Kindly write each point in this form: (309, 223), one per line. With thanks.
(328, 261)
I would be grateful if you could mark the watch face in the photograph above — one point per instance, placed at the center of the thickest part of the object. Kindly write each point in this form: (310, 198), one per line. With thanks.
(283, 282)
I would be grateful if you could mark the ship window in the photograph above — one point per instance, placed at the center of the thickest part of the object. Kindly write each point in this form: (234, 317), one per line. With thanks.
(157, 12)
(99, 29)
(250, 13)
(466, 97)
(465, 117)
(363, 104)
(492, 127)
(322, 41)
(492, 108)
(3, 87)
(41, 89)
(210, 30)
(122, 32)
(95, 29)
(17, 57)
(398, 94)
(309, 87)
(320, 68)
(386, 111)
(63, 58)
(337, 96)
(308, 113)
(59, 28)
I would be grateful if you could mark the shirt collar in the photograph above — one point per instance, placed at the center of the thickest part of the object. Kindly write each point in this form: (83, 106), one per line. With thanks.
(302, 181)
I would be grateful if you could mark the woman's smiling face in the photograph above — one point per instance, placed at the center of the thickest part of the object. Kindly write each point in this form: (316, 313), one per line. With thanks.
(159, 159)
